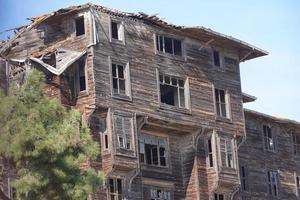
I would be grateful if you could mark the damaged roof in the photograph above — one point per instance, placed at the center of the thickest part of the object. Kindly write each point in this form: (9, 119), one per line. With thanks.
(206, 35)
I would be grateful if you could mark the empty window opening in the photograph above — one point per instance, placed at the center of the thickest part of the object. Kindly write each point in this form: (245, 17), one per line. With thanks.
(153, 151)
(210, 153)
(115, 189)
(296, 143)
(216, 57)
(268, 138)
(116, 30)
(244, 178)
(172, 91)
(273, 183)
(221, 105)
(169, 45)
(298, 182)
(77, 78)
(158, 194)
(119, 79)
(50, 59)
(80, 26)
(229, 154)
(219, 197)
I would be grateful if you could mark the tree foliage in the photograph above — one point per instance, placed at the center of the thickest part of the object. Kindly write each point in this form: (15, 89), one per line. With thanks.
(47, 144)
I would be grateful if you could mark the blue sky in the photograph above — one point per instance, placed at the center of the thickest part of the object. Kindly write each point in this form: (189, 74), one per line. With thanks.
(273, 25)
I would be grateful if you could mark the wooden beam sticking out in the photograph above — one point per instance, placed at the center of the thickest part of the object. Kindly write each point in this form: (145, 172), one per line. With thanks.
(248, 54)
(206, 44)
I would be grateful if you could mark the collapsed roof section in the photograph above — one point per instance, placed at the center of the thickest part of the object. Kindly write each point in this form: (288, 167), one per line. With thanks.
(246, 51)
(58, 60)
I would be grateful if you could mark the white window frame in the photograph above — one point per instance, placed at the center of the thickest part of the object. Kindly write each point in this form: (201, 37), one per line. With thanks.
(126, 68)
(185, 87)
(121, 30)
(271, 183)
(115, 183)
(217, 105)
(267, 140)
(227, 140)
(157, 45)
(229, 162)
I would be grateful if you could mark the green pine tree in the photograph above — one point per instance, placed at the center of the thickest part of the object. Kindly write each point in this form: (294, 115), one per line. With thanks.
(47, 145)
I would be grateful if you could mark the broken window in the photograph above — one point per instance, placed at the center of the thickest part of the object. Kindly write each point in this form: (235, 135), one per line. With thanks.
(220, 101)
(123, 126)
(153, 150)
(210, 155)
(244, 178)
(117, 30)
(268, 138)
(296, 143)
(79, 23)
(120, 78)
(168, 45)
(216, 58)
(273, 183)
(79, 77)
(159, 194)
(115, 189)
(172, 91)
(219, 196)
(227, 153)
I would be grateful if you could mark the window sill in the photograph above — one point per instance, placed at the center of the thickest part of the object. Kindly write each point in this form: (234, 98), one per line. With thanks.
(116, 41)
(122, 97)
(175, 109)
(223, 119)
(171, 56)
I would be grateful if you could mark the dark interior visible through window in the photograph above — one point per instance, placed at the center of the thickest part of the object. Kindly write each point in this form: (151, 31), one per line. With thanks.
(80, 26)
(216, 56)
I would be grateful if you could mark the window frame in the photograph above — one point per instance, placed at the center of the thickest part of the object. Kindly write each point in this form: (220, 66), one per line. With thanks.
(162, 190)
(221, 59)
(76, 78)
(296, 143)
(271, 184)
(225, 141)
(218, 195)
(186, 92)
(211, 159)
(126, 71)
(115, 183)
(172, 38)
(244, 178)
(166, 153)
(227, 104)
(266, 139)
(121, 37)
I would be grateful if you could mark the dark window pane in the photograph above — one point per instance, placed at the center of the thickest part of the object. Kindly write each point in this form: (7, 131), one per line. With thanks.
(217, 95)
(181, 83)
(122, 86)
(223, 110)
(211, 160)
(167, 79)
(106, 141)
(148, 153)
(82, 82)
(161, 78)
(111, 186)
(168, 45)
(161, 47)
(167, 94)
(222, 96)
(177, 47)
(209, 146)
(114, 30)
(162, 156)
(221, 197)
(119, 186)
(216, 56)
(114, 70)
(79, 26)
(154, 155)
(174, 81)
(120, 71)
(115, 83)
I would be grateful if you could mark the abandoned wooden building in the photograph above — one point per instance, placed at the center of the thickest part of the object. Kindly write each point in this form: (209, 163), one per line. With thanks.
(164, 101)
